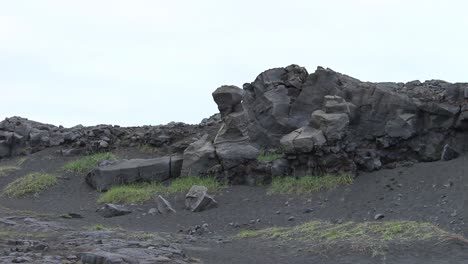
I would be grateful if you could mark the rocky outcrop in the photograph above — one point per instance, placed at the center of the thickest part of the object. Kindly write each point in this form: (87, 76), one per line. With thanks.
(327, 122)
(20, 136)
(323, 122)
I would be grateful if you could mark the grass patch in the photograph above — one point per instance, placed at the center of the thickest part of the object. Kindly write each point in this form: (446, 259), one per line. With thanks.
(369, 236)
(31, 183)
(269, 156)
(132, 193)
(141, 192)
(87, 163)
(100, 227)
(5, 170)
(308, 184)
(146, 148)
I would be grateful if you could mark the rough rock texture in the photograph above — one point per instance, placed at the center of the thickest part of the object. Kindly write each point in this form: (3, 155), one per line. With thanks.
(112, 210)
(20, 136)
(64, 245)
(323, 122)
(327, 122)
(164, 207)
(197, 199)
(134, 170)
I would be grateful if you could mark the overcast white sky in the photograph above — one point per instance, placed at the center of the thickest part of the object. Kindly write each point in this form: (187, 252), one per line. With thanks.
(151, 62)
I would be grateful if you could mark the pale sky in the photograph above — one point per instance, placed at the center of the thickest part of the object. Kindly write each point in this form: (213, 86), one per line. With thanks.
(151, 62)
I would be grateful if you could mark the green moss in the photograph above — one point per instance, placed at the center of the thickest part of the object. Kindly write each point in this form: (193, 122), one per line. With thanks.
(31, 183)
(5, 170)
(308, 184)
(87, 163)
(141, 192)
(269, 156)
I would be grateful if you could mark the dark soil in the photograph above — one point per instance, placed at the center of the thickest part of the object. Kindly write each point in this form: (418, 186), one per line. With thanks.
(434, 192)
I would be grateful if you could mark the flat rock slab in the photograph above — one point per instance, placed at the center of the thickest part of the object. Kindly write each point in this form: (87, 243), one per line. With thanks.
(111, 210)
(134, 170)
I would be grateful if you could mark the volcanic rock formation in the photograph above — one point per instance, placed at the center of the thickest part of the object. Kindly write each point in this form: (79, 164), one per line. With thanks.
(323, 122)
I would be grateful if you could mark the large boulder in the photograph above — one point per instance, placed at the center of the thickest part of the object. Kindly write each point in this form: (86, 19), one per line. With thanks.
(197, 199)
(302, 140)
(199, 158)
(234, 154)
(134, 170)
(332, 125)
(228, 99)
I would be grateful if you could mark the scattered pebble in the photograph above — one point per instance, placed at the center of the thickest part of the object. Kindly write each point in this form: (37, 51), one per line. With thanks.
(378, 216)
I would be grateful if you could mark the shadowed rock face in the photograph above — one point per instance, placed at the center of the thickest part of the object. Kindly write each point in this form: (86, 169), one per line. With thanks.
(329, 122)
(323, 122)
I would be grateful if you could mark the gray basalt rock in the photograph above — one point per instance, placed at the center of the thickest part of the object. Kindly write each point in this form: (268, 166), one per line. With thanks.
(164, 207)
(303, 140)
(332, 125)
(134, 170)
(197, 199)
(199, 157)
(112, 210)
(228, 99)
(449, 153)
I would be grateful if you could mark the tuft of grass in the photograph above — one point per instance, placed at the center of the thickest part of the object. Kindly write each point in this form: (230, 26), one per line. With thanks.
(363, 236)
(269, 156)
(5, 170)
(21, 161)
(87, 163)
(131, 193)
(99, 227)
(141, 192)
(308, 184)
(146, 148)
(31, 183)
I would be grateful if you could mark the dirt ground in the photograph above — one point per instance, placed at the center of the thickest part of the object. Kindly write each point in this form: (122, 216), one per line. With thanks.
(434, 192)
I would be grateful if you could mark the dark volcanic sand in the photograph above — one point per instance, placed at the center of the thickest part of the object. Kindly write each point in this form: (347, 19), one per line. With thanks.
(434, 192)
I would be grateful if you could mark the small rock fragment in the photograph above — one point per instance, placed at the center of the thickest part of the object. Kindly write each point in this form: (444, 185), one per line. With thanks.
(164, 207)
(378, 216)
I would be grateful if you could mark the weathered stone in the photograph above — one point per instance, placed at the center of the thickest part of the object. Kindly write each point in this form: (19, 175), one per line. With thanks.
(164, 207)
(102, 257)
(199, 157)
(234, 154)
(335, 104)
(197, 199)
(448, 153)
(332, 125)
(401, 126)
(112, 210)
(228, 99)
(134, 170)
(302, 140)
